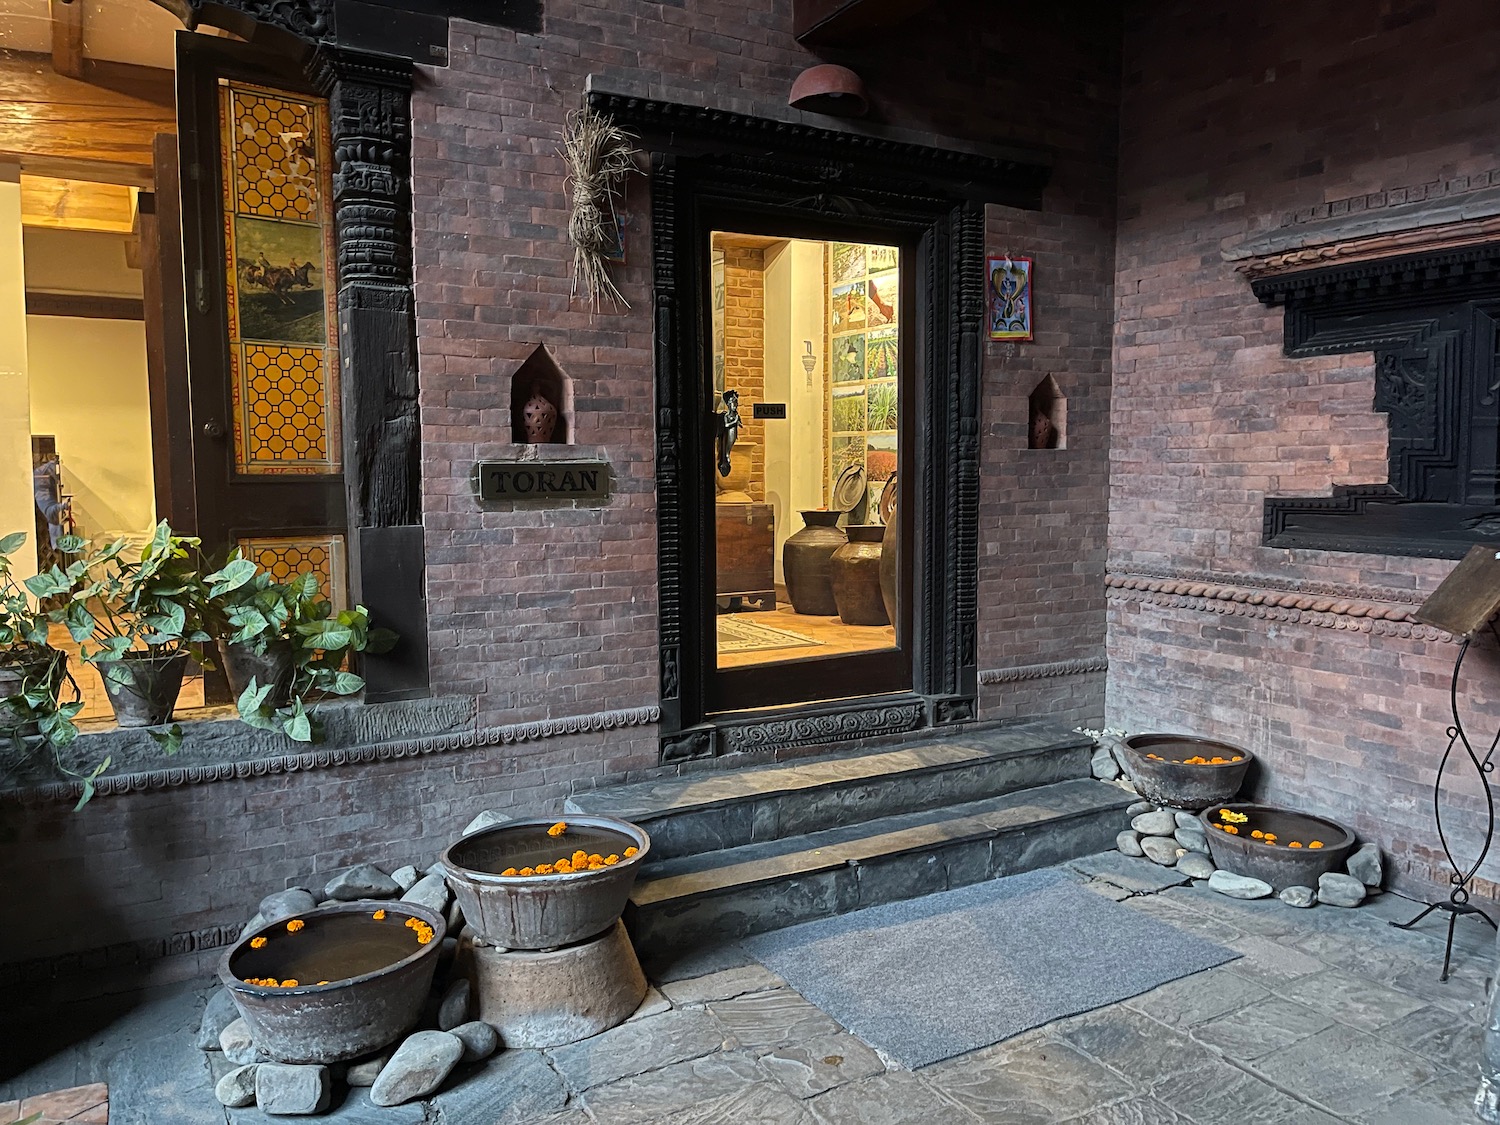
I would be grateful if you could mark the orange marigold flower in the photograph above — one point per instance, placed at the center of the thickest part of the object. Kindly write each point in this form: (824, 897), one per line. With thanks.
(380, 915)
(1257, 833)
(595, 857)
(563, 867)
(1295, 844)
(611, 860)
(1231, 829)
(257, 943)
(630, 852)
(289, 983)
(510, 871)
(558, 829)
(1217, 761)
(1238, 758)
(526, 871)
(1270, 837)
(544, 868)
(294, 925)
(322, 982)
(1316, 844)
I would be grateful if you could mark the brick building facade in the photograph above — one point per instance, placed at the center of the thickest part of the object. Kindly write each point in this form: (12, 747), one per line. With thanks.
(1173, 134)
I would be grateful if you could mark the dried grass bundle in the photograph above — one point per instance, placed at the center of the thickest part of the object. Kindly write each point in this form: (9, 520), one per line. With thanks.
(599, 155)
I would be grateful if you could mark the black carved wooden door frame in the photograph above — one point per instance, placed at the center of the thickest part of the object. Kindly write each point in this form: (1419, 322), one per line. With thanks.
(710, 160)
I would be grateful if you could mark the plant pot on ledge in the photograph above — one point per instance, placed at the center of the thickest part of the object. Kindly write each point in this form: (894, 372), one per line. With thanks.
(275, 666)
(143, 689)
(44, 672)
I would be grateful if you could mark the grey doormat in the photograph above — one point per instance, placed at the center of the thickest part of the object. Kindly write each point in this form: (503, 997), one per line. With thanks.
(933, 977)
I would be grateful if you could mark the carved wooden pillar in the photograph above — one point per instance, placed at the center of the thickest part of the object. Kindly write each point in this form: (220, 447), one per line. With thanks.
(370, 118)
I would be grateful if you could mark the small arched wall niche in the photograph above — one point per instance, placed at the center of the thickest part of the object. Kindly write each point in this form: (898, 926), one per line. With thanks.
(541, 401)
(1048, 421)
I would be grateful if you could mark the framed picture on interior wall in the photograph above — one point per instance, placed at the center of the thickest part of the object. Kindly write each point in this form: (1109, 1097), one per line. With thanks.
(1008, 297)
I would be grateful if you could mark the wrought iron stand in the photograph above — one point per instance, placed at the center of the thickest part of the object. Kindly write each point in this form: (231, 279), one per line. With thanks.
(1457, 901)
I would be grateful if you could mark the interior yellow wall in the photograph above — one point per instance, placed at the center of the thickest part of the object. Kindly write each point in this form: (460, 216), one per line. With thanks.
(794, 303)
(79, 261)
(88, 387)
(16, 503)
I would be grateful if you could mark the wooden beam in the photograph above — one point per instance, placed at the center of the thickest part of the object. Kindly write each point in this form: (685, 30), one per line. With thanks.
(67, 37)
(76, 205)
(39, 303)
(60, 126)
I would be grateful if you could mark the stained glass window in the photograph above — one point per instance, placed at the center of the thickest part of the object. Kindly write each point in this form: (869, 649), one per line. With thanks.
(278, 237)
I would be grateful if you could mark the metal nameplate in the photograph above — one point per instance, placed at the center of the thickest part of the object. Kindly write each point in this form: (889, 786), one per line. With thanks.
(543, 480)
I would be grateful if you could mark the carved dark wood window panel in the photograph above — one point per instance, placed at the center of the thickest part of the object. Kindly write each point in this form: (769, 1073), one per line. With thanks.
(1433, 324)
(708, 163)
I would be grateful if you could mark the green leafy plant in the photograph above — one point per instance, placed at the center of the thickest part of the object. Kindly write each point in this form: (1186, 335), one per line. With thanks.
(250, 608)
(118, 606)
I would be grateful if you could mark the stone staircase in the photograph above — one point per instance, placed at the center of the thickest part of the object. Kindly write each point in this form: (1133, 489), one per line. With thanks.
(737, 852)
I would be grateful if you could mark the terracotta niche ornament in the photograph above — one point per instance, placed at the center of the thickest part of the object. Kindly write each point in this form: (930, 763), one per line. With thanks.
(540, 417)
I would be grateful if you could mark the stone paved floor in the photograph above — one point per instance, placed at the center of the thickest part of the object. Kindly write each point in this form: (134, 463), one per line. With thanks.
(1330, 1016)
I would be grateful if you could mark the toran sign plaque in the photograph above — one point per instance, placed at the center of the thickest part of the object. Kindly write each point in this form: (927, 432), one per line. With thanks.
(543, 480)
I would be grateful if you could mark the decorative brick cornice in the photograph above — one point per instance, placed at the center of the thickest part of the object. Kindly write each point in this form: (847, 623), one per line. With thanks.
(1351, 609)
(171, 778)
(1021, 672)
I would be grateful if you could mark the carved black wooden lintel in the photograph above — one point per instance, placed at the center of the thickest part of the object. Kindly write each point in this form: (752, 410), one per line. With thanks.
(1431, 321)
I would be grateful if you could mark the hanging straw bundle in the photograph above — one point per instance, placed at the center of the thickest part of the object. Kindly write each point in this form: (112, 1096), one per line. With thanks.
(599, 156)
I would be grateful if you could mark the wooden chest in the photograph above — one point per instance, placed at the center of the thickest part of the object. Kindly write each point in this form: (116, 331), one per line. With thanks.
(746, 544)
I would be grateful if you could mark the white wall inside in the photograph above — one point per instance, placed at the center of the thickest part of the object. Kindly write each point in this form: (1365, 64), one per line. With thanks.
(794, 302)
(89, 389)
(79, 261)
(16, 503)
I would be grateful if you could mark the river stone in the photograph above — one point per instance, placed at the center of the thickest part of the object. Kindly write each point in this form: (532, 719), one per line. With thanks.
(406, 877)
(1160, 849)
(1192, 840)
(1129, 842)
(364, 1072)
(1340, 890)
(237, 1088)
(292, 1091)
(219, 1014)
(1139, 807)
(1237, 886)
(364, 881)
(486, 819)
(287, 904)
(1159, 823)
(1300, 897)
(1187, 820)
(480, 1040)
(1367, 866)
(1103, 765)
(429, 891)
(417, 1068)
(237, 1045)
(454, 1008)
(1196, 865)
(455, 917)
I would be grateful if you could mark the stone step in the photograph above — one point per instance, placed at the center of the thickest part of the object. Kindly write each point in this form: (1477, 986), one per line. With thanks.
(727, 808)
(764, 886)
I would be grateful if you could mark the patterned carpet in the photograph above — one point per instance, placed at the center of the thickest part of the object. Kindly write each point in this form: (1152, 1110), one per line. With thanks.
(736, 634)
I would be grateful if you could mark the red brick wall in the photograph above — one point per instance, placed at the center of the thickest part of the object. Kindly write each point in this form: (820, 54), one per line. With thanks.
(1234, 116)
(745, 350)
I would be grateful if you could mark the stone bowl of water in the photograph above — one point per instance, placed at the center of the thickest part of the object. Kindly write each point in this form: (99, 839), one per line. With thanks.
(335, 983)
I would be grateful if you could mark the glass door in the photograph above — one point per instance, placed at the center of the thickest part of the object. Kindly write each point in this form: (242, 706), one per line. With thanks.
(804, 380)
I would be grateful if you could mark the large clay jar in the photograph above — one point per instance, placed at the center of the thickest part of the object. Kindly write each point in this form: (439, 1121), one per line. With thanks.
(856, 576)
(890, 568)
(732, 489)
(806, 558)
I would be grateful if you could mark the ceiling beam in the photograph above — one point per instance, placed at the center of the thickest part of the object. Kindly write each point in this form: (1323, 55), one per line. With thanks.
(59, 126)
(67, 37)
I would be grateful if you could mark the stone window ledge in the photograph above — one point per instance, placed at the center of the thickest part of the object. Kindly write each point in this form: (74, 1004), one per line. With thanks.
(216, 745)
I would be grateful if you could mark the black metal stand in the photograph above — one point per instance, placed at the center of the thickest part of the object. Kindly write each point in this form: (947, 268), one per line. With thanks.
(1457, 901)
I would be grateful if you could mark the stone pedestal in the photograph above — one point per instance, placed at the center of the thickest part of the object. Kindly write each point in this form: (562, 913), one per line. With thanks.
(562, 996)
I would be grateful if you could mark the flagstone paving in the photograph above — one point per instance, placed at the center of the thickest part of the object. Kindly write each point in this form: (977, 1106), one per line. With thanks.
(1330, 1016)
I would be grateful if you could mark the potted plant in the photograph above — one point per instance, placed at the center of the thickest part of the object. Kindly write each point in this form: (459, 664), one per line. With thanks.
(135, 619)
(31, 670)
(284, 645)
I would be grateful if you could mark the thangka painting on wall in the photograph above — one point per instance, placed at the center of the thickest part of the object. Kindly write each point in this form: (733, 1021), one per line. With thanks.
(1007, 294)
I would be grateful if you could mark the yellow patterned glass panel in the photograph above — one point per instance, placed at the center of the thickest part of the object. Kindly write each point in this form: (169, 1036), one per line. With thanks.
(279, 250)
(290, 556)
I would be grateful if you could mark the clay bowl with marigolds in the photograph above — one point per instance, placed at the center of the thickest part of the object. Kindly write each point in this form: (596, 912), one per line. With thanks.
(1277, 846)
(337, 982)
(541, 884)
(1180, 771)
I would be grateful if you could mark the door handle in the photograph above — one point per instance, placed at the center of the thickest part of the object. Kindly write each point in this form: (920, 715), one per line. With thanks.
(213, 430)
